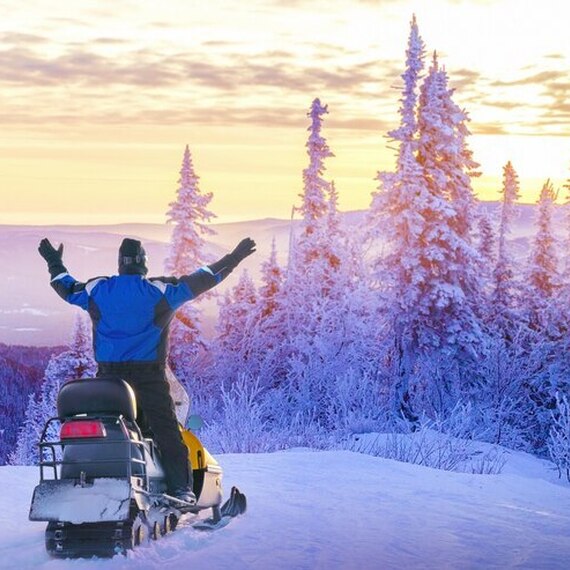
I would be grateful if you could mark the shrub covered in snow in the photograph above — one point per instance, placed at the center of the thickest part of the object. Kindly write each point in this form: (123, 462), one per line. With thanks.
(431, 448)
(559, 440)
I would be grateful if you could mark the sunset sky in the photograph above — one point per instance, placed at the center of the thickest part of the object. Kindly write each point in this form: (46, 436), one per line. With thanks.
(98, 99)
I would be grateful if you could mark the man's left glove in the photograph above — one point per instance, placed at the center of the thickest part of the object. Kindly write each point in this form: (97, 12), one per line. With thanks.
(244, 248)
(53, 257)
(230, 261)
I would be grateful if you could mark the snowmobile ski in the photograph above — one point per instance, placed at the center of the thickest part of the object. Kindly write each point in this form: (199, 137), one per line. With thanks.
(210, 524)
(236, 505)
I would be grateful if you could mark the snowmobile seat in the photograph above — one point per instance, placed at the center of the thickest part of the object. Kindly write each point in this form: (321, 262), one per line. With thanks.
(103, 395)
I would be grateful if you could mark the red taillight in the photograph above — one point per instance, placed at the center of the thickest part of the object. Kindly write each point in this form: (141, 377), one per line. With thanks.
(82, 428)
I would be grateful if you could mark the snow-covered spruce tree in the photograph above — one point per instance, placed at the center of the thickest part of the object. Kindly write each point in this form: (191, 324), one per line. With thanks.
(454, 282)
(272, 276)
(310, 253)
(565, 277)
(487, 239)
(312, 247)
(507, 367)
(545, 340)
(315, 187)
(486, 246)
(269, 334)
(562, 300)
(396, 217)
(26, 451)
(503, 300)
(189, 213)
(446, 159)
(327, 310)
(543, 265)
(283, 335)
(74, 363)
(429, 212)
(235, 329)
(79, 360)
(448, 167)
(415, 52)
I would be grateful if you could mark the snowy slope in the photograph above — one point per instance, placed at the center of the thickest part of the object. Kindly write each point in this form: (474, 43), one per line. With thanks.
(339, 509)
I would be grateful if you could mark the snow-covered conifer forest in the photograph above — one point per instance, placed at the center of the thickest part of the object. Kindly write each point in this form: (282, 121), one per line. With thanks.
(422, 321)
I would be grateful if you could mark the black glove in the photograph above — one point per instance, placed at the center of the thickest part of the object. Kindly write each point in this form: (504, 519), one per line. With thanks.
(244, 248)
(53, 257)
(230, 261)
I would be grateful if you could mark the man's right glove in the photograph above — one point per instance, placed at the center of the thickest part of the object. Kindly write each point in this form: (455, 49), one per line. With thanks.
(53, 257)
(244, 248)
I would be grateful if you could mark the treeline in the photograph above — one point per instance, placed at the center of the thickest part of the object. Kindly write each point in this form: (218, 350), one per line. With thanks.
(21, 372)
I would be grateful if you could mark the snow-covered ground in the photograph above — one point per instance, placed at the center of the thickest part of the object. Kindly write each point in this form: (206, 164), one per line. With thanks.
(340, 509)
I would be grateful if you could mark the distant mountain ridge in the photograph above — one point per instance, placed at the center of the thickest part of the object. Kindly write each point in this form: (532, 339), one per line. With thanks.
(31, 313)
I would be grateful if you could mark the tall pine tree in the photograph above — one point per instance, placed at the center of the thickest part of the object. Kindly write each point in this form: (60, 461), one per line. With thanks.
(315, 187)
(546, 339)
(323, 308)
(396, 218)
(502, 314)
(271, 284)
(234, 354)
(311, 254)
(486, 247)
(543, 264)
(454, 285)
(269, 336)
(427, 213)
(566, 258)
(486, 238)
(189, 213)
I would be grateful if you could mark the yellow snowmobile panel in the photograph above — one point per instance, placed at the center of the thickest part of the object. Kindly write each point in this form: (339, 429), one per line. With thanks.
(197, 453)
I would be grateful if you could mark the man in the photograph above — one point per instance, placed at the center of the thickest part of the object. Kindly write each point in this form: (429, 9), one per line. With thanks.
(130, 316)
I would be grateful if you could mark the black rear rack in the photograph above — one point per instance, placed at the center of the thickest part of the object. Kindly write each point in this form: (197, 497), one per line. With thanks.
(48, 450)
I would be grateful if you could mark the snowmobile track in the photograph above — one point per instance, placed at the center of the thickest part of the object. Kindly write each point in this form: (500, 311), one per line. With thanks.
(104, 540)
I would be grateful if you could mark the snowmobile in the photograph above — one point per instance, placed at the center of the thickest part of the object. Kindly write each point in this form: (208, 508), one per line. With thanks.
(102, 488)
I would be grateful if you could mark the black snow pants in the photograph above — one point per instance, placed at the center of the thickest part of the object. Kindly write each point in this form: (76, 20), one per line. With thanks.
(155, 410)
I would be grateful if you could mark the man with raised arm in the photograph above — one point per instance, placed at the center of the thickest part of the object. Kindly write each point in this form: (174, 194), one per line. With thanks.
(131, 314)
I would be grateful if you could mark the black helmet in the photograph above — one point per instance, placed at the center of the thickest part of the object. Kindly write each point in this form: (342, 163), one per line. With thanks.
(132, 258)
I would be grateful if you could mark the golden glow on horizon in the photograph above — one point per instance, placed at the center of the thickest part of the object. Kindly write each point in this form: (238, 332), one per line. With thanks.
(101, 101)
(88, 185)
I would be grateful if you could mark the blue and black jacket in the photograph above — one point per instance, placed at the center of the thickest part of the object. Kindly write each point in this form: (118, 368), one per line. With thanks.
(131, 313)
